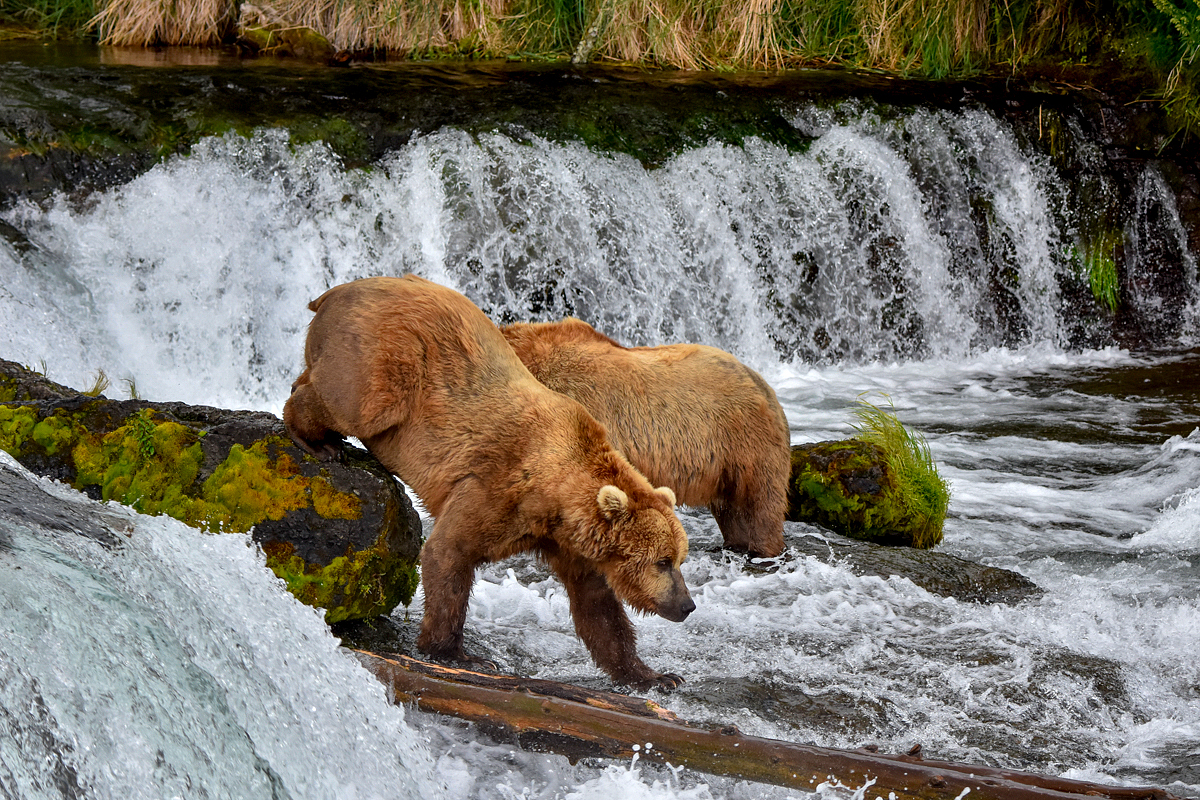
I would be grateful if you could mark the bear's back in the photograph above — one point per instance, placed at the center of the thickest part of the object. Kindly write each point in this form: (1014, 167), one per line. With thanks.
(674, 410)
(414, 333)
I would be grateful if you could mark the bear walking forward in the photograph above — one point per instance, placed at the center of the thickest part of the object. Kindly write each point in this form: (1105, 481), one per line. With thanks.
(430, 386)
(688, 416)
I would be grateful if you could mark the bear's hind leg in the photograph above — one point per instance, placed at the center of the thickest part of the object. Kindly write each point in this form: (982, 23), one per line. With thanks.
(752, 524)
(308, 422)
(604, 627)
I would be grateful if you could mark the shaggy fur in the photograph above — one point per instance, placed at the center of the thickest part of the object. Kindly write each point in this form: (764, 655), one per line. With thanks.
(688, 416)
(429, 385)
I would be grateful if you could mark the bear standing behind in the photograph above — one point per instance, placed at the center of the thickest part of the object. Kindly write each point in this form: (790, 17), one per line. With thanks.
(428, 384)
(690, 417)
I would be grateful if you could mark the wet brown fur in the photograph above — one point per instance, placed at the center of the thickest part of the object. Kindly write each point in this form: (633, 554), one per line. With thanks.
(688, 416)
(428, 384)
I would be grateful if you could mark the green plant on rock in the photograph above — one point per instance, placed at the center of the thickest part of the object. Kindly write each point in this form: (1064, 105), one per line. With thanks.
(1097, 261)
(923, 492)
(99, 386)
(142, 427)
(1102, 279)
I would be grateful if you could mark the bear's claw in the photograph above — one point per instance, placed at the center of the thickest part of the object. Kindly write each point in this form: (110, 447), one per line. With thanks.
(327, 449)
(664, 682)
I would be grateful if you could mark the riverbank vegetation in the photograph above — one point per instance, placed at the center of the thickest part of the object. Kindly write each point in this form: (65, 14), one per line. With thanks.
(1153, 44)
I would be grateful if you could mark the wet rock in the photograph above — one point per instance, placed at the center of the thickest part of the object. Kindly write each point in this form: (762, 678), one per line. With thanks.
(260, 31)
(342, 535)
(848, 487)
(777, 699)
(22, 500)
(940, 573)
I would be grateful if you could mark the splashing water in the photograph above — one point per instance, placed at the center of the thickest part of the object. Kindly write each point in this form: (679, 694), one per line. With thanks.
(919, 254)
(157, 661)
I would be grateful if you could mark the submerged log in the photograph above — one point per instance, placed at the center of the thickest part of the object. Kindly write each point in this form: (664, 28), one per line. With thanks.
(342, 535)
(579, 723)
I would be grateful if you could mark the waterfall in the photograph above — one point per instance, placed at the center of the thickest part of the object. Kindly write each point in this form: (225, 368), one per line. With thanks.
(895, 235)
(153, 660)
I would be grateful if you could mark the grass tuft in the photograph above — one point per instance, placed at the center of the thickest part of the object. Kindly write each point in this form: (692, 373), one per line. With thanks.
(1100, 263)
(924, 492)
(99, 385)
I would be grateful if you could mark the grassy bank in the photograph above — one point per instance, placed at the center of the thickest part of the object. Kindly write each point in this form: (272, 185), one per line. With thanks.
(1157, 41)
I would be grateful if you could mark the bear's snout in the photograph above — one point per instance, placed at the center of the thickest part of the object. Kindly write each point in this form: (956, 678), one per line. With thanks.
(677, 612)
(678, 603)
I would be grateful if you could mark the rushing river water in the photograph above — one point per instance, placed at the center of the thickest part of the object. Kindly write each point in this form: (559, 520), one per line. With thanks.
(140, 658)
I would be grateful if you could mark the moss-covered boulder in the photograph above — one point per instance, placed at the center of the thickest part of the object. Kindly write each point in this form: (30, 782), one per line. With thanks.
(343, 536)
(882, 486)
(848, 487)
(298, 42)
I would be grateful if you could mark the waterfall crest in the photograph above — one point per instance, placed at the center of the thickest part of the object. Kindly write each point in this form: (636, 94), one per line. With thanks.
(895, 235)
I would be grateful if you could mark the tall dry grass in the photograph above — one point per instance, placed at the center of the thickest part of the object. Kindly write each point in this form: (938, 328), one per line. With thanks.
(928, 38)
(172, 22)
(753, 33)
(655, 31)
(403, 27)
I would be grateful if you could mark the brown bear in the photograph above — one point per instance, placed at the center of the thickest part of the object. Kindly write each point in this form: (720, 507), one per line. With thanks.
(690, 417)
(429, 385)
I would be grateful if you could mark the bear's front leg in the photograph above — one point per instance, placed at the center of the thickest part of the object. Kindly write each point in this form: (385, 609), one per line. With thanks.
(447, 574)
(604, 627)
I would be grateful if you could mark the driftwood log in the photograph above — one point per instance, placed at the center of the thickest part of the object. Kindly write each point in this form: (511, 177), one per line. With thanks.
(577, 722)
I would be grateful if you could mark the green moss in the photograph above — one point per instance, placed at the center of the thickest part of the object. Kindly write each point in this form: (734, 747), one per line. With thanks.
(16, 424)
(366, 584)
(154, 464)
(345, 138)
(54, 433)
(144, 464)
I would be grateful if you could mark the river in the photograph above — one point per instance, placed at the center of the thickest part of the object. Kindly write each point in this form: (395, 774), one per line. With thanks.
(920, 256)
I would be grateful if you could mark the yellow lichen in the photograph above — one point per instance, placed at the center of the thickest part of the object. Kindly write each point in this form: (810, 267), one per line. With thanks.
(249, 487)
(153, 465)
(16, 423)
(332, 504)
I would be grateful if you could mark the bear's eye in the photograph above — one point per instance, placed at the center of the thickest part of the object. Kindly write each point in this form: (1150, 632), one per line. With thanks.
(666, 564)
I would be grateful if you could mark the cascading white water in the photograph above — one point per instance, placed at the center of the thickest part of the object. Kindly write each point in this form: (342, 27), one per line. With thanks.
(156, 661)
(1155, 239)
(930, 235)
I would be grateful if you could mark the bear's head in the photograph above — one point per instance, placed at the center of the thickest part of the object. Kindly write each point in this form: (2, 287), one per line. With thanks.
(642, 550)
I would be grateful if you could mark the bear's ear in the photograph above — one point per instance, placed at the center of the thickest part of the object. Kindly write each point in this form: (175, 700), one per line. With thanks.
(612, 501)
(666, 492)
